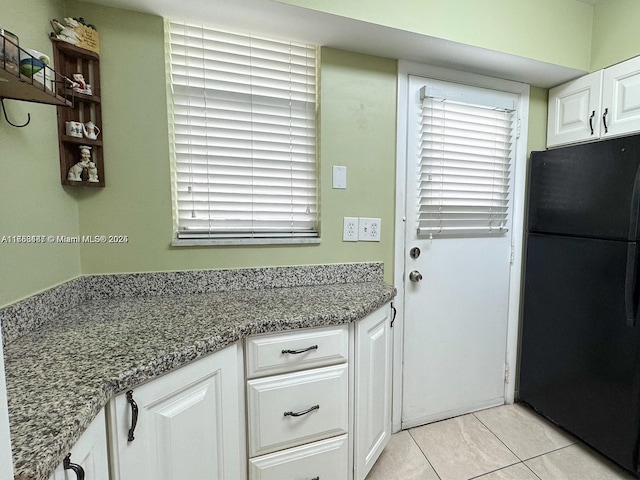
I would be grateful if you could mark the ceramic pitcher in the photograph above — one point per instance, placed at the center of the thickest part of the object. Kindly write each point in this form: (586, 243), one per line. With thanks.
(91, 130)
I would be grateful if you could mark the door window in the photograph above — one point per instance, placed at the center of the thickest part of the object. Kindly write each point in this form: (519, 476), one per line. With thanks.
(466, 152)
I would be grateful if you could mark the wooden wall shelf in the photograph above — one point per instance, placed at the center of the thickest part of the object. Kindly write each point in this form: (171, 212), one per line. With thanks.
(69, 60)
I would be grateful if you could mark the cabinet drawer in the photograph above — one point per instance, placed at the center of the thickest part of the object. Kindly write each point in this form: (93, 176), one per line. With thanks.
(296, 350)
(271, 402)
(324, 459)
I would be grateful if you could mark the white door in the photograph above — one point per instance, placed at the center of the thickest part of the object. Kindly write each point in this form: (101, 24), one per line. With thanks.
(456, 309)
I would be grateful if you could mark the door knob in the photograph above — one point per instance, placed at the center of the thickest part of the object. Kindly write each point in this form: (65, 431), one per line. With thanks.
(415, 276)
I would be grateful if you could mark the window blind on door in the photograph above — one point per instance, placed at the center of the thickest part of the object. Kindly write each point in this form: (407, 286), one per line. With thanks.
(465, 160)
(244, 127)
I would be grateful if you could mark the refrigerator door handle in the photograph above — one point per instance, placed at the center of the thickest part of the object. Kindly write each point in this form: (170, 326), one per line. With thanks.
(634, 210)
(630, 284)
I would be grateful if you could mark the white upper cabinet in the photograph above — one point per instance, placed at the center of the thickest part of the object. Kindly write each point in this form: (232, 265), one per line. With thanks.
(574, 110)
(621, 99)
(600, 105)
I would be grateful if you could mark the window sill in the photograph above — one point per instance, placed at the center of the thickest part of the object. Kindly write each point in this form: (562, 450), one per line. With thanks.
(245, 241)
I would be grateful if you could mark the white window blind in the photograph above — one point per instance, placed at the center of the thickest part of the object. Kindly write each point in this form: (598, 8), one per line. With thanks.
(244, 135)
(466, 155)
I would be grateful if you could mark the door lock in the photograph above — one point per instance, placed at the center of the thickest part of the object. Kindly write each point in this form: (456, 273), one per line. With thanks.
(415, 276)
(414, 252)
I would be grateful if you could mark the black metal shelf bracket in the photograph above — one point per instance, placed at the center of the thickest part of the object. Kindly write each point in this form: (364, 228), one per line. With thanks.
(4, 111)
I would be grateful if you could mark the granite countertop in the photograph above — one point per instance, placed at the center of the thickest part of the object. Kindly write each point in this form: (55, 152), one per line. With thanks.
(59, 377)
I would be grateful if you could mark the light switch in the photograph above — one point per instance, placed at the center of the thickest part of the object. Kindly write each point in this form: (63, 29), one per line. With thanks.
(339, 177)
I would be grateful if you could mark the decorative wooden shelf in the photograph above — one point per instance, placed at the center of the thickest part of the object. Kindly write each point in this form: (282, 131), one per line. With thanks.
(70, 59)
(73, 51)
(81, 141)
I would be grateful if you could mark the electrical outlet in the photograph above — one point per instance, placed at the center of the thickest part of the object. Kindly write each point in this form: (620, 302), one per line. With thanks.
(350, 229)
(369, 229)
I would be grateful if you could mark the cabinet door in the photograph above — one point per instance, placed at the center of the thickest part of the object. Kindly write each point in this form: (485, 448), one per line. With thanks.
(621, 98)
(90, 452)
(373, 352)
(574, 110)
(188, 424)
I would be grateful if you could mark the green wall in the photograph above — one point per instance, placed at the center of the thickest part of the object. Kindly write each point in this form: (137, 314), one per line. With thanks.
(33, 202)
(537, 132)
(616, 34)
(554, 31)
(357, 129)
(357, 125)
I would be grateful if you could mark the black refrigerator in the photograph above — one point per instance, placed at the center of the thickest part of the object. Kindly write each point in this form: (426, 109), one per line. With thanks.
(580, 338)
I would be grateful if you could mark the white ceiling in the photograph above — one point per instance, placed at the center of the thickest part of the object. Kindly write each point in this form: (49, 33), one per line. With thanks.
(268, 17)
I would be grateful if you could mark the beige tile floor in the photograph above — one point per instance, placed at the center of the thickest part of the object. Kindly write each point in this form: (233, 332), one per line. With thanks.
(509, 442)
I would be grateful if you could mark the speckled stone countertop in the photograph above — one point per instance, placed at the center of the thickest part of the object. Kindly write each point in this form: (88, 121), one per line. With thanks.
(60, 375)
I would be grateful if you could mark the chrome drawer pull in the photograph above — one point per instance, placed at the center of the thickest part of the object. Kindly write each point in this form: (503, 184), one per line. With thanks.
(303, 412)
(302, 350)
(67, 465)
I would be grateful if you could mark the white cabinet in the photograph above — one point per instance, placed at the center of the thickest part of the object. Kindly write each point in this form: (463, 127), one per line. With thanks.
(88, 455)
(603, 104)
(318, 406)
(372, 405)
(189, 423)
(621, 99)
(298, 414)
(319, 400)
(574, 110)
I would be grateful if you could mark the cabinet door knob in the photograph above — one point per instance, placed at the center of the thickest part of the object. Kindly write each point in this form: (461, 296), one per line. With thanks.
(593, 114)
(303, 412)
(67, 465)
(134, 415)
(604, 120)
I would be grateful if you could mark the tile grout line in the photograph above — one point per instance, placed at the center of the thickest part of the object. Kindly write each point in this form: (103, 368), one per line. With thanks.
(499, 439)
(496, 470)
(424, 454)
(550, 451)
(507, 447)
(516, 455)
